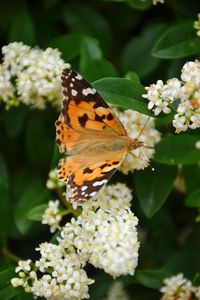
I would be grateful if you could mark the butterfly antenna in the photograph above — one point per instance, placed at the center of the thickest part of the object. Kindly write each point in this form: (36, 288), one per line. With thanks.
(146, 159)
(145, 124)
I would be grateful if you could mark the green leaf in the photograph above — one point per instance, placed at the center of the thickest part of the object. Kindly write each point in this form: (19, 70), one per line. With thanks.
(138, 4)
(133, 76)
(14, 120)
(22, 29)
(180, 40)
(154, 187)
(3, 173)
(38, 138)
(192, 177)
(85, 19)
(5, 213)
(193, 199)
(6, 290)
(35, 214)
(68, 44)
(177, 149)
(122, 92)
(33, 194)
(5, 277)
(137, 53)
(92, 65)
(151, 278)
(9, 292)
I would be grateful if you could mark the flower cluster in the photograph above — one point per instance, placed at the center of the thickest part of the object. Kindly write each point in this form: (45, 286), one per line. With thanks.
(179, 288)
(197, 25)
(142, 127)
(106, 232)
(104, 235)
(52, 216)
(30, 75)
(162, 97)
(66, 280)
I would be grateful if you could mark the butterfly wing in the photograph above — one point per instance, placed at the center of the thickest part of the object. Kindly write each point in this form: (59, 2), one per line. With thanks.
(87, 175)
(84, 108)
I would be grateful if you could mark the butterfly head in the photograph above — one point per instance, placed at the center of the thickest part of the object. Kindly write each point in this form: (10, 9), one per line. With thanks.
(134, 144)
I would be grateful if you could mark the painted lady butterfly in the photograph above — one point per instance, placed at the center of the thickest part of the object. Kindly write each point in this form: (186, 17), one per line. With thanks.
(89, 131)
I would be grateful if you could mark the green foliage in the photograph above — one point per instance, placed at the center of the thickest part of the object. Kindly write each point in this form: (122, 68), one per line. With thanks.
(179, 40)
(121, 47)
(158, 184)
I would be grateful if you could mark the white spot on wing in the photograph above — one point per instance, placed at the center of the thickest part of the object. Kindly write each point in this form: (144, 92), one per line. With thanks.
(74, 93)
(71, 84)
(100, 182)
(84, 188)
(79, 77)
(93, 194)
(88, 91)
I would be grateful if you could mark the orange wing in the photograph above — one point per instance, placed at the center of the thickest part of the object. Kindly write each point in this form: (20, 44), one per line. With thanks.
(84, 108)
(88, 130)
(87, 175)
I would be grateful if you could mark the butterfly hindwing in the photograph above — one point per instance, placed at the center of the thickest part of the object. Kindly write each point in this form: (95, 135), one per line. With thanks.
(85, 180)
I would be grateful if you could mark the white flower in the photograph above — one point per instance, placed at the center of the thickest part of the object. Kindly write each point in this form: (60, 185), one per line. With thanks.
(7, 90)
(197, 145)
(36, 73)
(158, 1)
(23, 265)
(142, 127)
(113, 244)
(114, 196)
(161, 95)
(155, 1)
(117, 292)
(190, 73)
(177, 287)
(52, 216)
(105, 233)
(60, 274)
(197, 25)
(197, 292)
(53, 182)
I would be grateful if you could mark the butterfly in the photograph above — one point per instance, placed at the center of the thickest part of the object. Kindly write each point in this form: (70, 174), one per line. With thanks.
(91, 135)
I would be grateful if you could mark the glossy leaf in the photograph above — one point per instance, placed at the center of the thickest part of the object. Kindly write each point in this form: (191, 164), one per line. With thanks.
(9, 292)
(3, 173)
(22, 29)
(92, 65)
(191, 176)
(87, 20)
(138, 4)
(151, 278)
(35, 214)
(5, 277)
(154, 187)
(177, 149)
(122, 92)
(137, 53)
(180, 40)
(193, 199)
(68, 44)
(5, 213)
(33, 194)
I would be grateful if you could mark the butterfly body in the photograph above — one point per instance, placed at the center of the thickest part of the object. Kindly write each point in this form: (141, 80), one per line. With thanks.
(93, 137)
